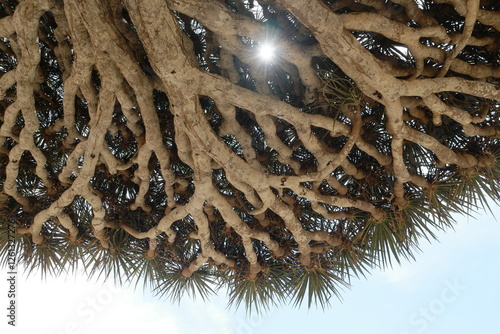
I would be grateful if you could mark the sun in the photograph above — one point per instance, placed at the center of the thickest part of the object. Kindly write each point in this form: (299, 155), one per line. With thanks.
(266, 52)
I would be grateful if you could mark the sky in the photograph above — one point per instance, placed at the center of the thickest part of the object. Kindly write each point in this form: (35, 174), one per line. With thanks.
(452, 287)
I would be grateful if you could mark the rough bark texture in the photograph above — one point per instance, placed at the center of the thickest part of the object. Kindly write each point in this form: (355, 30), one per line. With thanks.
(158, 119)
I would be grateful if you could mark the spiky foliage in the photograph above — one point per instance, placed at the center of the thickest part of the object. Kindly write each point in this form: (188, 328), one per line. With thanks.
(145, 142)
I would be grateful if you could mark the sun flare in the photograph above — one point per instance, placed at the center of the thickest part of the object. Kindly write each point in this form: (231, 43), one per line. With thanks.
(266, 52)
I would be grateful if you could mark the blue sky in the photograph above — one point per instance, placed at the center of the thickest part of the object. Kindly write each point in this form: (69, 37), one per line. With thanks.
(452, 287)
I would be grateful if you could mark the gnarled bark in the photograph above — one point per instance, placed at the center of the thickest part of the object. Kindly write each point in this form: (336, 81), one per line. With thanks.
(171, 92)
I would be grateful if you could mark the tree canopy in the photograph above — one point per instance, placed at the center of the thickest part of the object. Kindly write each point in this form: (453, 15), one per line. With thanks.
(272, 147)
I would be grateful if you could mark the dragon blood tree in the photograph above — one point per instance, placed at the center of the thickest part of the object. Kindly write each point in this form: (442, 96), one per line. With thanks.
(273, 148)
